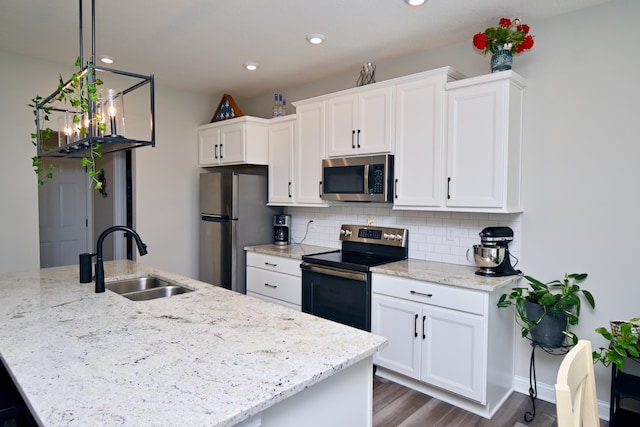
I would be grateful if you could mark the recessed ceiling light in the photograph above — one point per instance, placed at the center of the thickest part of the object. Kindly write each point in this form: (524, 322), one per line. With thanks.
(315, 38)
(251, 66)
(107, 59)
(415, 2)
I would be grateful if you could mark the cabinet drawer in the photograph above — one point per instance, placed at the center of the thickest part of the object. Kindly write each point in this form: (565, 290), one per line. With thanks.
(430, 293)
(274, 285)
(274, 263)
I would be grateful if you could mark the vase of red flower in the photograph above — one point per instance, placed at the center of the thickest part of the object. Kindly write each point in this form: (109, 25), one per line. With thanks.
(509, 38)
(501, 60)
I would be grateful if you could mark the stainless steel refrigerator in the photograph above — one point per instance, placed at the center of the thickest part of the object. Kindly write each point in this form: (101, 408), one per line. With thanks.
(233, 214)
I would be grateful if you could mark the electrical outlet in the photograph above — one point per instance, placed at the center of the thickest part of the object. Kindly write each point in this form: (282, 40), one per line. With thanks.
(451, 233)
(312, 224)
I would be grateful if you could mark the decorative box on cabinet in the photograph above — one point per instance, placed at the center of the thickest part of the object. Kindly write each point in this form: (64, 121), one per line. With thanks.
(359, 121)
(445, 341)
(281, 160)
(484, 143)
(275, 279)
(420, 144)
(243, 140)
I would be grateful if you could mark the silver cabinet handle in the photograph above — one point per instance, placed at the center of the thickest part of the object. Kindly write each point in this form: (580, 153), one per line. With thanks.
(415, 327)
(221, 151)
(215, 152)
(358, 138)
(424, 335)
(289, 189)
(353, 139)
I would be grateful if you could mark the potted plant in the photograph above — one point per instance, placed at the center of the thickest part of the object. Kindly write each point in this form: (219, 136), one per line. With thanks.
(546, 311)
(623, 338)
(508, 38)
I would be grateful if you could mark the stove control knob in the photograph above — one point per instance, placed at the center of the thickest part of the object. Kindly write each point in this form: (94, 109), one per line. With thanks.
(345, 233)
(388, 236)
(398, 237)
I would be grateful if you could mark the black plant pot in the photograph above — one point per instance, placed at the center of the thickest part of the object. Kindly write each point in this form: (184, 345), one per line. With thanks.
(549, 332)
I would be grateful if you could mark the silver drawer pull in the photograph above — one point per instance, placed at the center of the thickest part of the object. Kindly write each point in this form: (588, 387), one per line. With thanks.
(270, 264)
(421, 294)
(271, 286)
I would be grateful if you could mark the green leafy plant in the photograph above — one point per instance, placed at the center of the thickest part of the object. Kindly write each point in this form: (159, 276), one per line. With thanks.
(508, 35)
(78, 93)
(623, 337)
(555, 297)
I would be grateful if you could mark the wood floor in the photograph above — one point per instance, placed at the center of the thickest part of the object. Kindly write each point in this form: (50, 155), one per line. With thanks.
(397, 406)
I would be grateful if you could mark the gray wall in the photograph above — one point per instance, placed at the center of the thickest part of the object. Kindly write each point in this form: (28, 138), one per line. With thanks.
(581, 178)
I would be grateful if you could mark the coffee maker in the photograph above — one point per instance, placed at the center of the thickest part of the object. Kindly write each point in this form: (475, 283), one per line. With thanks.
(281, 224)
(492, 256)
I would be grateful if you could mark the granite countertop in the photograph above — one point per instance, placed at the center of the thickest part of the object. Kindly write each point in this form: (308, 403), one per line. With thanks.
(443, 273)
(209, 357)
(294, 251)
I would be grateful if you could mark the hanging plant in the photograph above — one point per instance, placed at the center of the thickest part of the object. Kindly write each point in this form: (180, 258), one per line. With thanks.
(78, 93)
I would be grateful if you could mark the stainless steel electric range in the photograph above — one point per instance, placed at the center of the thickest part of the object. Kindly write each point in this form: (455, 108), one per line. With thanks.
(337, 285)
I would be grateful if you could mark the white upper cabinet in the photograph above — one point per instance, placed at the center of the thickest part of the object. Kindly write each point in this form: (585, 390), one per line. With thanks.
(484, 143)
(359, 122)
(309, 151)
(420, 144)
(243, 140)
(281, 163)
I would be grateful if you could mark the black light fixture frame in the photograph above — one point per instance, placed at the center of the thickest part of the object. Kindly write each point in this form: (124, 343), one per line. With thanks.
(109, 144)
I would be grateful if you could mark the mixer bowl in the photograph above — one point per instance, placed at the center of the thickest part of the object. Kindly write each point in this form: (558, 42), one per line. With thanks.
(488, 256)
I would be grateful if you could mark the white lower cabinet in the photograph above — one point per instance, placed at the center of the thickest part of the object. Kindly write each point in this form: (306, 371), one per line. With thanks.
(275, 279)
(439, 339)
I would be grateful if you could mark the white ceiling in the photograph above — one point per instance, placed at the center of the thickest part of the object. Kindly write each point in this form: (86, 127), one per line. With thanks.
(200, 45)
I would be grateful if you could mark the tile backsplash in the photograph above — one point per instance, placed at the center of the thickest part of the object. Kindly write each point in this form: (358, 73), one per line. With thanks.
(433, 236)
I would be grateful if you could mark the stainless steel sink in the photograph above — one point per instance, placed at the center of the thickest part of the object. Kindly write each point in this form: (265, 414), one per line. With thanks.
(145, 288)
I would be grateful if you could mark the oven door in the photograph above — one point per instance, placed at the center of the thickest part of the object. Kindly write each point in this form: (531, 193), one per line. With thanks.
(341, 295)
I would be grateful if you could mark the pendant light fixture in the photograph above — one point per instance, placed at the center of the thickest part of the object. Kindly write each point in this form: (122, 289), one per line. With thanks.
(90, 108)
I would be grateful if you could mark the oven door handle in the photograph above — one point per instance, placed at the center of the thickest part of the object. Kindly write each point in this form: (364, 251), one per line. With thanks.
(332, 271)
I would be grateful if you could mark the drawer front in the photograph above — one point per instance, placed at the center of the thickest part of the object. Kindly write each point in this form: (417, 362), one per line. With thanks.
(274, 263)
(431, 293)
(275, 301)
(275, 285)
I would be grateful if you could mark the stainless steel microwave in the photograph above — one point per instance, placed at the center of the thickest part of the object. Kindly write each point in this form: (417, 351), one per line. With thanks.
(358, 179)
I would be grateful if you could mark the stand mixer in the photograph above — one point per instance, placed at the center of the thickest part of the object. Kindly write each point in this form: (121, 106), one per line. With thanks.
(492, 256)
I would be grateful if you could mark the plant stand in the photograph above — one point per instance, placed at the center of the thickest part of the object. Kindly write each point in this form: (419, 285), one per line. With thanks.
(533, 387)
(624, 385)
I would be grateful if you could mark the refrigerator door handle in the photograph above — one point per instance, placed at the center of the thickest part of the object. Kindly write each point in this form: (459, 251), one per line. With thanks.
(214, 218)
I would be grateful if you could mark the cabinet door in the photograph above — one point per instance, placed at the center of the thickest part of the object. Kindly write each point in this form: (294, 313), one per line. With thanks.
(373, 134)
(477, 133)
(281, 138)
(208, 146)
(419, 143)
(342, 126)
(453, 352)
(398, 321)
(232, 143)
(309, 152)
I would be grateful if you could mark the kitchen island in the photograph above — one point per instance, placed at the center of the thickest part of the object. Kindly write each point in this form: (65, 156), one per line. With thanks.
(208, 357)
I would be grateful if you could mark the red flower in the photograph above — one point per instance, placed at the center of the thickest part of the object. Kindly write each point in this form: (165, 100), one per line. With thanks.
(524, 28)
(480, 41)
(526, 44)
(505, 22)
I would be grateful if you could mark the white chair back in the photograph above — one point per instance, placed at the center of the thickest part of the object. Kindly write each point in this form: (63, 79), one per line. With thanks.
(576, 399)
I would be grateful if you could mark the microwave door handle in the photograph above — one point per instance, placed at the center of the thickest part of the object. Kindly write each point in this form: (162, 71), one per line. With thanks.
(366, 179)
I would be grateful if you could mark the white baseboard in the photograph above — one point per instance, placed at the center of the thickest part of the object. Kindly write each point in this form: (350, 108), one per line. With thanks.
(547, 392)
